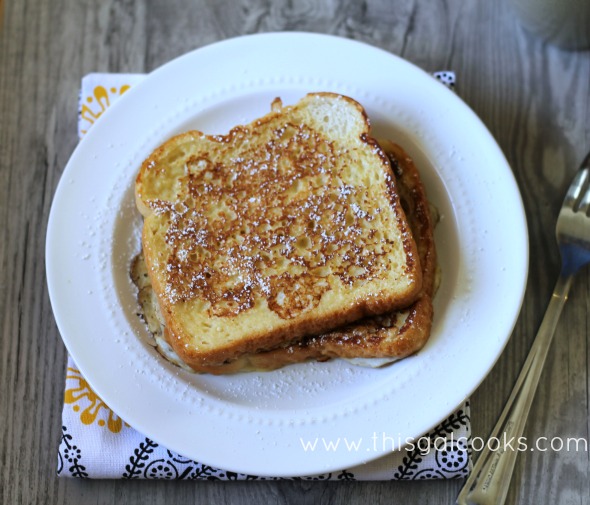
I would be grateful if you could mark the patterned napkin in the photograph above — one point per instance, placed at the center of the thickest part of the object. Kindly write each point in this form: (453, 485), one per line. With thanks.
(96, 443)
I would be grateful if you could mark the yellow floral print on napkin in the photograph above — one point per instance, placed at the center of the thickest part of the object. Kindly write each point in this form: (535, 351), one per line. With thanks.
(94, 105)
(84, 400)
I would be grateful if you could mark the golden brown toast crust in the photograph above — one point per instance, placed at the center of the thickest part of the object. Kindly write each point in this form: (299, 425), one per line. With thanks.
(324, 252)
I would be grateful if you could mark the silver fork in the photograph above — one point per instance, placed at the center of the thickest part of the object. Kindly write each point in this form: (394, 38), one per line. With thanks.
(490, 478)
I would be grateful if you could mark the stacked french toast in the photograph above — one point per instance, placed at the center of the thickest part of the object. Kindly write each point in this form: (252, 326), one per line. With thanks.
(296, 237)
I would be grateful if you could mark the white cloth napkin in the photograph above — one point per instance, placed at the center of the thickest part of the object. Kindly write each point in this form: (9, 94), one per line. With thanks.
(96, 443)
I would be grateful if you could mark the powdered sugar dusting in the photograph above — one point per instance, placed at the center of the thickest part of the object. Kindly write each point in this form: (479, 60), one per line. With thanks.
(275, 219)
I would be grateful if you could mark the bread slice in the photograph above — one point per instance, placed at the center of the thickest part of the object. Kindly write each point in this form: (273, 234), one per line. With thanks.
(370, 342)
(287, 227)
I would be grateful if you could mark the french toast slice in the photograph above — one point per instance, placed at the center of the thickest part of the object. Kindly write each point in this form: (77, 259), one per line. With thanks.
(376, 340)
(287, 227)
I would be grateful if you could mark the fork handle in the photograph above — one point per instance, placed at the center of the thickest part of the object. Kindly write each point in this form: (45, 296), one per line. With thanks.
(489, 480)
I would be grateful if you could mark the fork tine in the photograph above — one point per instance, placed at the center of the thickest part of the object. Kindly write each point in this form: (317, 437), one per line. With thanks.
(576, 187)
(585, 201)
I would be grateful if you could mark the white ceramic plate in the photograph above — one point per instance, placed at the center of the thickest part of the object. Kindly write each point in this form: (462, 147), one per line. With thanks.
(257, 423)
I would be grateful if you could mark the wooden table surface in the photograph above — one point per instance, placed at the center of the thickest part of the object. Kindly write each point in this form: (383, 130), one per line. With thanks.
(533, 97)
